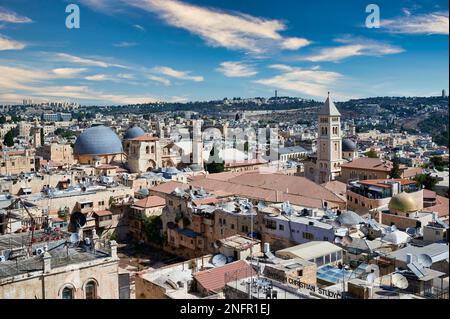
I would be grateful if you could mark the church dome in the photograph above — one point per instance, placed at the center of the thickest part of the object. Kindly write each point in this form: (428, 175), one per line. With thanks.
(133, 132)
(404, 203)
(348, 145)
(98, 140)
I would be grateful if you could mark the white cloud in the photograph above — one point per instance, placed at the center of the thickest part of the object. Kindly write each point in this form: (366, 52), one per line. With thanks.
(236, 69)
(99, 77)
(182, 75)
(12, 17)
(159, 79)
(125, 76)
(9, 44)
(294, 43)
(35, 84)
(351, 48)
(139, 27)
(430, 23)
(311, 82)
(125, 44)
(68, 72)
(231, 30)
(85, 61)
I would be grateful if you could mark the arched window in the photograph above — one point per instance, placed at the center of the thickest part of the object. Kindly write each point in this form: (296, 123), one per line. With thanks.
(147, 149)
(153, 150)
(67, 293)
(91, 290)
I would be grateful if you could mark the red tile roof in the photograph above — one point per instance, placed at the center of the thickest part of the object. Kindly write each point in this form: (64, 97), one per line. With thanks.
(382, 182)
(106, 166)
(441, 207)
(145, 138)
(103, 213)
(214, 279)
(374, 164)
(151, 201)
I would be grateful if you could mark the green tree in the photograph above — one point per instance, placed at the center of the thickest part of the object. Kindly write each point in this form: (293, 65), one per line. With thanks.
(2, 119)
(395, 171)
(371, 154)
(9, 138)
(216, 164)
(426, 181)
(152, 226)
(42, 137)
(437, 162)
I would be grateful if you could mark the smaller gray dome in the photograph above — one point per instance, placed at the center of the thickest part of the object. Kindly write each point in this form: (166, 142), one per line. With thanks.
(348, 145)
(349, 218)
(133, 132)
(144, 191)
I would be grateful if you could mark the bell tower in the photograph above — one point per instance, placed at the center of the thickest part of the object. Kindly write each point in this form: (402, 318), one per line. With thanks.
(329, 143)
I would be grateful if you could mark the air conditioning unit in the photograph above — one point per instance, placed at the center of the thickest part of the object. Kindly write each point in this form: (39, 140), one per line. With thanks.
(2, 258)
(40, 250)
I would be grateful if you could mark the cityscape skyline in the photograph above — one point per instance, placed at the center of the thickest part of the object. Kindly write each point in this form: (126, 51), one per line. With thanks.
(128, 52)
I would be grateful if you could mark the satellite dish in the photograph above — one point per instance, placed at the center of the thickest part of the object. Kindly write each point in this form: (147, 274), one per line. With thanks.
(338, 240)
(399, 281)
(74, 238)
(425, 260)
(411, 231)
(219, 260)
(347, 240)
(261, 205)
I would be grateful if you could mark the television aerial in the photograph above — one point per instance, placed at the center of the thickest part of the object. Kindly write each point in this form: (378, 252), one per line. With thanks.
(399, 281)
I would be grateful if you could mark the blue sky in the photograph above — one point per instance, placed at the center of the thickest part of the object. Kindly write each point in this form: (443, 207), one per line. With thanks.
(131, 51)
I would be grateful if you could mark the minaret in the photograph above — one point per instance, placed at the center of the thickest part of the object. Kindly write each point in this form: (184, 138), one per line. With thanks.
(329, 143)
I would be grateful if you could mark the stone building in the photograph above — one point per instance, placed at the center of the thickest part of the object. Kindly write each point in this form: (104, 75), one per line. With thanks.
(17, 161)
(143, 153)
(60, 273)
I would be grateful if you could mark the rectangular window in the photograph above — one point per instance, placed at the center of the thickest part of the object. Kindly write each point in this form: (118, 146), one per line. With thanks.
(281, 227)
(271, 224)
(308, 236)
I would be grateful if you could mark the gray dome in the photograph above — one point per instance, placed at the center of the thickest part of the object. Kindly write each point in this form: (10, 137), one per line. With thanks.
(133, 132)
(348, 145)
(98, 140)
(349, 218)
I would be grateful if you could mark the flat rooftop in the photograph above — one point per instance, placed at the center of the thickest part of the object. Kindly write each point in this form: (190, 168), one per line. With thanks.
(60, 257)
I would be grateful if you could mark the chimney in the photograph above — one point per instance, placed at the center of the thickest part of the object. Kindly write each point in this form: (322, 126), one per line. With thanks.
(113, 246)
(277, 196)
(47, 262)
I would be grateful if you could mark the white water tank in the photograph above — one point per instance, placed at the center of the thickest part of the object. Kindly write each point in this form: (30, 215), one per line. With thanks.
(266, 248)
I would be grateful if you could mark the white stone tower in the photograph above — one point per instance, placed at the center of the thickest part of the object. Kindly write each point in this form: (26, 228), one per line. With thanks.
(329, 143)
